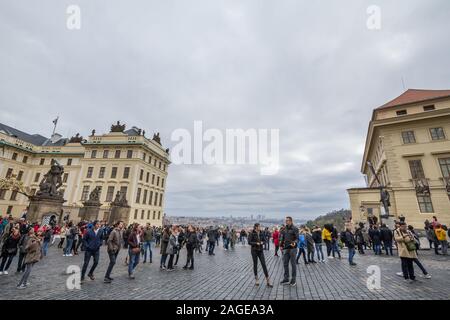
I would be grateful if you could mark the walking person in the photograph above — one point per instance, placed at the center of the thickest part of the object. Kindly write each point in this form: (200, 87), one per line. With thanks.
(386, 238)
(349, 239)
(164, 243)
(212, 238)
(309, 245)
(359, 237)
(301, 244)
(23, 251)
(148, 241)
(255, 240)
(191, 244)
(134, 249)
(289, 237)
(441, 236)
(47, 237)
(376, 239)
(33, 255)
(70, 235)
(276, 241)
(62, 236)
(317, 237)
(334, 242)
(406, 250)
(9, 250)
(92, 242)
(326, 236)
(113, 244)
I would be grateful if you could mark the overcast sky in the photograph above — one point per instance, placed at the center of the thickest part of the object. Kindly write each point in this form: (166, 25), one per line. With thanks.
(309, 68)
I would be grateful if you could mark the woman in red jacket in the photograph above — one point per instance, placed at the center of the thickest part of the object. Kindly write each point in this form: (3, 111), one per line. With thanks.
(276, 241)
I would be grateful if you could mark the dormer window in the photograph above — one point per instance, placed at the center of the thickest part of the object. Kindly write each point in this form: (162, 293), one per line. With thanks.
(429, 108)
(402, 113)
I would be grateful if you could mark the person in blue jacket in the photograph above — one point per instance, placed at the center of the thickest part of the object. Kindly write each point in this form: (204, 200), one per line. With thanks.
(301, 246)
(92, 241)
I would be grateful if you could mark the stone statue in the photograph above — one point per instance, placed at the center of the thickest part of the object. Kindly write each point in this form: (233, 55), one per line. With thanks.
(120, 200)
(52, 181)
(167, 150)
(76, 139)
(93, 132)
(94, 196)
(156, 138)
(385, 199)
(118, 127)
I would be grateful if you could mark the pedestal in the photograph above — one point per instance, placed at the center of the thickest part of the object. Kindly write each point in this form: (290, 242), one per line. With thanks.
(43, 210)
(90, 211)
(119, 213)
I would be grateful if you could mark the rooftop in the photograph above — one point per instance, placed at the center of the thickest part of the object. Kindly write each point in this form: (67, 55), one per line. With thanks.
(415, 95)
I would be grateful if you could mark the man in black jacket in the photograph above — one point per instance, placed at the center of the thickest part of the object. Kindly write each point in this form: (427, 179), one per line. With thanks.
(386, 237)
(349, 240)
(289, 237)
(212, 237)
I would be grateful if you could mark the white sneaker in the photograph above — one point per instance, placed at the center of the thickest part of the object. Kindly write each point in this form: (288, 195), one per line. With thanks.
(425, 276)
(70, 255)
(400, 274)
(330, 257)
(5, 272)
(22, 286)
(64, 255)
(1, 272)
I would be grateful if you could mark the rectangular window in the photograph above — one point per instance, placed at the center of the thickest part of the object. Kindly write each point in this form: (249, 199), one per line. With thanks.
(154, 162)
(9, 173)
(41, 162)
(85, 193)
(153, 179)
(445, 167)
(144, 201)
(162, 183)
(2, 194)
(138, 195)
(160, 199)
(148, 177)
(110, 194)
(117, 154)
(144, 156)
(142, 214)
(101, 173)
(437, 133)
(402, 113)
(154, 215)
(113, 172)
(149, 159)
(148, 215)
(135, 214)
(164, 168)
(157, 181)
(69, 162)
(156, 199)
(129, 154)
(150, 197)
(65, 177)
(429, 108)
(14, 156)
(9, 210)
(159, 215)
(105, 154)
(37, 176)
(124, 190)
(94, 154)
(416, 169)
(408, 137)
(126, 172)
(89, 172)
(425, 204)
(20, 175)
(141, 175)
(100, 188)
(25, 159)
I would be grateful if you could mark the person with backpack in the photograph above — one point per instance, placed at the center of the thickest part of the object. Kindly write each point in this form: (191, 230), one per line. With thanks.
(92, 241)
(406, 250)
(113, 244)
(33, 255)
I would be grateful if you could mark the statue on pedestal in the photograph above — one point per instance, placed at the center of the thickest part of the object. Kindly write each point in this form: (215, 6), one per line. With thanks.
(51, 182)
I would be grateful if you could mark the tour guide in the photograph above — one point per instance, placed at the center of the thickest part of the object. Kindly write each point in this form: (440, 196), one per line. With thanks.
(289, 238)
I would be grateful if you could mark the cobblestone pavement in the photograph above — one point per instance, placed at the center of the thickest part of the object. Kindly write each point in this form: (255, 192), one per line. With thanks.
(228, 276)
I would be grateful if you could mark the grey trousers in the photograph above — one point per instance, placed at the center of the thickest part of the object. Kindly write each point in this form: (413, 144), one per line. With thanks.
(289, 256)
(25, 276)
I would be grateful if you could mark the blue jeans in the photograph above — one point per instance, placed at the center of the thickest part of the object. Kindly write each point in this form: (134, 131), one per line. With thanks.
(225, 243)
(87, 257)
(148, 247)
(211, 247)
(351, 254)
(133, 261)
(45, 247)
(377, 248)
(388, 247)
(335, 248)
(68, 248)
(319, 251)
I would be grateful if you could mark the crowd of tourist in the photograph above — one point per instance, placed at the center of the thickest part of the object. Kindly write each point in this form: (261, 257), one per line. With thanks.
(31, 242)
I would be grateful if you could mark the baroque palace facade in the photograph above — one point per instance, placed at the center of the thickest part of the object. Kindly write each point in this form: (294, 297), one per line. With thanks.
(408, 144)
(121, 160)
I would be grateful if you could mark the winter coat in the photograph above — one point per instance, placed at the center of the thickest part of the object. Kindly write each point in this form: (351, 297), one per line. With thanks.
(402, 238)
(172, 246)
(254, 238)
(276, 238)
(92, 241)
(164, 243)
(349, 239)
(11, 244)
(385, 234)
(33, 248)
(212, 235)
(114, 240)
(326, 235)
(317, 235)
(309, 242)
(301, 241)
(289, 237)
(440, 234)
